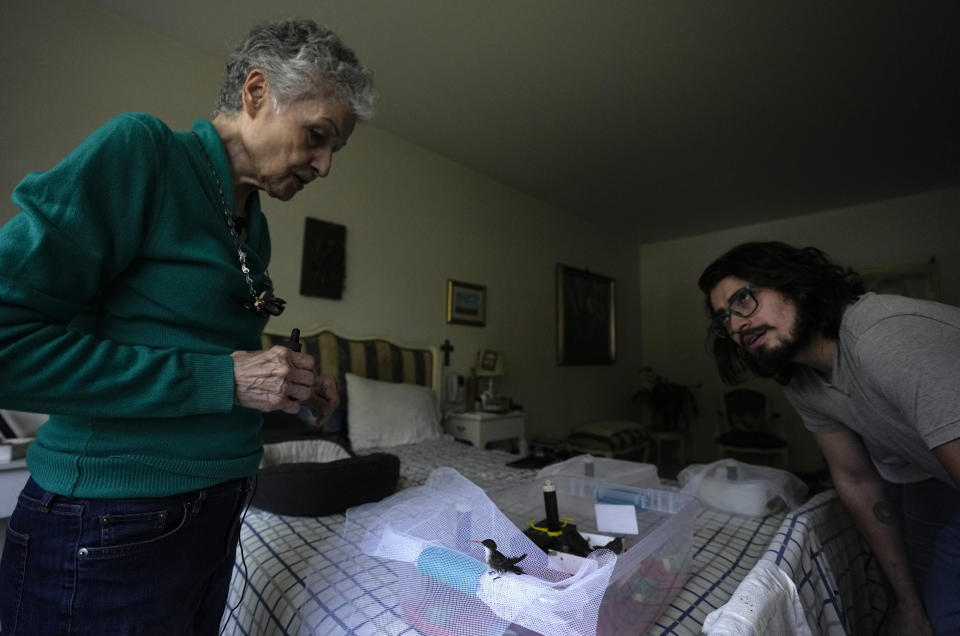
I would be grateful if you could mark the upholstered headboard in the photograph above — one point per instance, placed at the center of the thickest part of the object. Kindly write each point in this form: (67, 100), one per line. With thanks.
(374, 358)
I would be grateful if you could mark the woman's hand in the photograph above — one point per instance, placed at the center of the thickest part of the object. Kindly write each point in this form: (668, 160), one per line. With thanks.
(326, 397)
(277, 379)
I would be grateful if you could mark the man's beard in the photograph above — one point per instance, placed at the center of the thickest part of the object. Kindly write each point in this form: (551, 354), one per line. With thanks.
(779, 358)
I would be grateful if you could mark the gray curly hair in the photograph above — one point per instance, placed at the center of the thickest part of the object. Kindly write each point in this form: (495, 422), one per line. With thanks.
(301, 59)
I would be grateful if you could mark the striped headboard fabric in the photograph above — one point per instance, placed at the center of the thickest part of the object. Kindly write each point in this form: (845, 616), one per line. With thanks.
(372, 358)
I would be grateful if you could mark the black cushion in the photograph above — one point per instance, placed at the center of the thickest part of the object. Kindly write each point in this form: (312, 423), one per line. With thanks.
(312, 489)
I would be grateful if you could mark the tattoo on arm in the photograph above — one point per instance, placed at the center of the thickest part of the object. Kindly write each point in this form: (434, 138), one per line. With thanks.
(883, 511)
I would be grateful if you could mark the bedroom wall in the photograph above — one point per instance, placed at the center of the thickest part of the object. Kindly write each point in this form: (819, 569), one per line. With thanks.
(886, 233)
(413, 218)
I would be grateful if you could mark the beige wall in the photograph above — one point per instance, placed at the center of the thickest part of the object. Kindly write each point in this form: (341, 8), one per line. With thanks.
(70, 67)
(413, 218)
(892, 232)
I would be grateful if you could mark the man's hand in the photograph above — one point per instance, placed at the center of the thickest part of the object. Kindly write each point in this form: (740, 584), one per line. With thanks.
(277, 379)
(906, 620)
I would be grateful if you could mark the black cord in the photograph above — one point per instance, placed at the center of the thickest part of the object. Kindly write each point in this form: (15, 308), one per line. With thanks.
(243, 557)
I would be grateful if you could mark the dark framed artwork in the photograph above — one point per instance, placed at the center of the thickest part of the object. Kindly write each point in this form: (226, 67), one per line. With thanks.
(466, 303)
(917, 280)
(586, 317)
(323, 264)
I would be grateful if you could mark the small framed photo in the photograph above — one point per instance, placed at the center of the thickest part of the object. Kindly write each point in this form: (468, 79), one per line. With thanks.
(487, 360)
(466, 303)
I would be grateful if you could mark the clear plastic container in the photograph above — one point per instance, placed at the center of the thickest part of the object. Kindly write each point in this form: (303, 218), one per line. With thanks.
(746, 489)
(654, 564)
(618, 471)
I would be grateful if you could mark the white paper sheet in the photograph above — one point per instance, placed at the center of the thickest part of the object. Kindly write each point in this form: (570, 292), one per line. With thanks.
(616, 519)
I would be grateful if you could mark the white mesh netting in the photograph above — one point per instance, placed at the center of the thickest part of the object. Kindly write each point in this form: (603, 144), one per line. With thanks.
(443, 583)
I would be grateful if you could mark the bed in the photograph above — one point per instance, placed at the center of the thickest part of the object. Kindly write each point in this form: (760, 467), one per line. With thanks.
(816, 576)
(301, 575)
(751, 573)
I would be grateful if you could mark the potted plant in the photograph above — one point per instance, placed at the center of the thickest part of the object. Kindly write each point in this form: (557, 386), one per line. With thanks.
(672, 406)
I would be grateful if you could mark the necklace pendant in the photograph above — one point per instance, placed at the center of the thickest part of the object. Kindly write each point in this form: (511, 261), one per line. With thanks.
(266, 304)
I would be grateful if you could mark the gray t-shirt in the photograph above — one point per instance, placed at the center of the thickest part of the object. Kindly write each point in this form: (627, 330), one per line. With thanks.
(895, 382)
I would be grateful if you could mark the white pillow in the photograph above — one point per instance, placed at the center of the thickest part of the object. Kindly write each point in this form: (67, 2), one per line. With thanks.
(383, 414)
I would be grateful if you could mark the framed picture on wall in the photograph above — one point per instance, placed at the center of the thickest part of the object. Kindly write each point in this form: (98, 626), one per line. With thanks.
(323, 262)
(586, 317)
(466, 303)
(917, 280)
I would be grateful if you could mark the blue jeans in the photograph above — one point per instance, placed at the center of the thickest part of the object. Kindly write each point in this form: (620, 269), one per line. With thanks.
(942, 591)
(929, 513)
(120, 566)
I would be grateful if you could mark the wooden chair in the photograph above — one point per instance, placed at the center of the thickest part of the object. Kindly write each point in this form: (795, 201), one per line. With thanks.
(745, 427)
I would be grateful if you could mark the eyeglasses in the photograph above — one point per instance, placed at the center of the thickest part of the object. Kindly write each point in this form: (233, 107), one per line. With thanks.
(743, 303)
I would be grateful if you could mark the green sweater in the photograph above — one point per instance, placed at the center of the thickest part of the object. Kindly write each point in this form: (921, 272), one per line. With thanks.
(119, 290)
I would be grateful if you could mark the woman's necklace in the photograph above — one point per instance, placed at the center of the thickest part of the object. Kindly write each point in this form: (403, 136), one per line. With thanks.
(264, 303)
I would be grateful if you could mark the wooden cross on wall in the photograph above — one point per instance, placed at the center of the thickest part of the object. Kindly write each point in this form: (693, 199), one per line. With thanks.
(446, 348)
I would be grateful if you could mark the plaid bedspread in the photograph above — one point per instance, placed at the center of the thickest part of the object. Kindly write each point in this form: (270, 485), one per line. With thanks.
(297, 575)
(726, 547)
(836, 577)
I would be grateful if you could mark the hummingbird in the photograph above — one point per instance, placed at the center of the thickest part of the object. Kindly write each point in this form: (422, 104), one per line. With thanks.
(497, 562)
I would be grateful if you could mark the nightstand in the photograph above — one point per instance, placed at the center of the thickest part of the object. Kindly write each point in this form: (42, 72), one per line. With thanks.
(480, 427)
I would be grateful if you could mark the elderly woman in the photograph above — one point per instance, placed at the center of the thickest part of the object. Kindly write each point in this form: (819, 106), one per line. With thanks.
(133, 290)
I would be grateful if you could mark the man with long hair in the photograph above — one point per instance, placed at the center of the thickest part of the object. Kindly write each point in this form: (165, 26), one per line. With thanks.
(876, 379)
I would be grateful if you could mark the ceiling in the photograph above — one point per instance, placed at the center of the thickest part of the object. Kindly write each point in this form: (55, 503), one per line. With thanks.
(657, 118)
